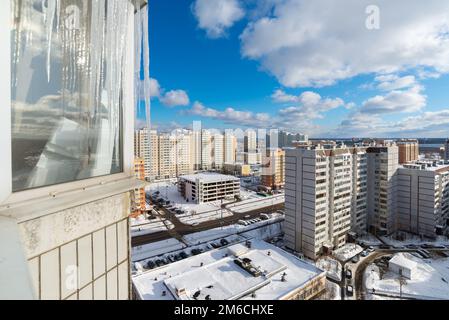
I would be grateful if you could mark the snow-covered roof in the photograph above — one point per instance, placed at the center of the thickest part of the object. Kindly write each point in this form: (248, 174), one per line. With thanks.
(209, 177)
(215, 275)
(404, 260)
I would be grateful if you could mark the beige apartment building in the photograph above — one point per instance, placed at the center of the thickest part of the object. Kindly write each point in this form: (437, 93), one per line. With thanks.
(408, 150)
(64, 230)
(273, 170)
(230, 147)
(142, 149)
(383, 164)
(167, 156)
(319, 192)
(218, 151)
(423, 198)
(333, 189)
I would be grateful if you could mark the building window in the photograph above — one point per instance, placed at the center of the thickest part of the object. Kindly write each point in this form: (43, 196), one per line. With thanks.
(66, 90)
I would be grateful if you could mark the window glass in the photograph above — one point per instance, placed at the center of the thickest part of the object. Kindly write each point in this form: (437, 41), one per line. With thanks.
(67, 71)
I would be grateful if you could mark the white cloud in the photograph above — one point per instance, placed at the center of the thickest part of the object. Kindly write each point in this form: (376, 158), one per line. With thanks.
(155, 88)
(216, 16)
(281, 97)
(231, 116)
(317, 43)
(427, 124)
(393, 82)
(408, 100)
(175, 98)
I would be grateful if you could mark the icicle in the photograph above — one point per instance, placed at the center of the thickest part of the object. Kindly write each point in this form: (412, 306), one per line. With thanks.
(50, 13)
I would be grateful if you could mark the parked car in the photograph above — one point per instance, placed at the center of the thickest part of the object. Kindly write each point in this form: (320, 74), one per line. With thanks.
(151, 265)
(349, 291)
(348, 274)
(355, 259)
(412, 246)
(427, 246)
(215, 245)
(384, 246)
(183, 255)
(371, 249)
(365, 254)
(264, 216)
(224, 242)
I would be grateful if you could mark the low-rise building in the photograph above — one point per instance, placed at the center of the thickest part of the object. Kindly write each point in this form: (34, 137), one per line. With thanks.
(207, 187)
(252, 271)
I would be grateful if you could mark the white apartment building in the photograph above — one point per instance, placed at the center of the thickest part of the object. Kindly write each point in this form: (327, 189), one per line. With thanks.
(208, 187)
(206, 150)
(360, 191)
(196, 153)
(230, 147)
(184, 165)
(319, 192)
(250, 141)
(142, 149)
(423, 198)
(67, 147)
(167, 156)
(154, 155)
(218, 151)
(383, 163)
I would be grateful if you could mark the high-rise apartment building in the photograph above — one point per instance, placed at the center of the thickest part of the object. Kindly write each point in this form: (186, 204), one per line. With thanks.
(167, 156)
(154, 155)
(332, 189)
(383, 163)
(184, 165)
(321, 185)
(408, 150)
(230, 147)
(142, 148)
(206, 150)
(250, 141)
(139, 205)
(273, 168)
(218, 151)
(423, 198)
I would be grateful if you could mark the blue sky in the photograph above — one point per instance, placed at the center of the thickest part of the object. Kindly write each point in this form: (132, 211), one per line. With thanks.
(305, 66)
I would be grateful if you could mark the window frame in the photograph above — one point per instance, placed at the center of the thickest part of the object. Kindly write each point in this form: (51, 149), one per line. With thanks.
(7, 196)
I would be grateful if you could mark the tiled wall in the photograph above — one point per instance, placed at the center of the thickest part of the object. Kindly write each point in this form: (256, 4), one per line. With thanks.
(95, 266)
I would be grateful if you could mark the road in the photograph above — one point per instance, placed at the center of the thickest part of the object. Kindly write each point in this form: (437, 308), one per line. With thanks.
(180, 229)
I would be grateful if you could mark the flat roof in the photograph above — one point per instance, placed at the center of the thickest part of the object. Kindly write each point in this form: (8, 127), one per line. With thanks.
(215, 275)
(438, 167)
(209, 177)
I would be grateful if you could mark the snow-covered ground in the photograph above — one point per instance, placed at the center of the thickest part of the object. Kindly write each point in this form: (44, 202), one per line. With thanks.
(151, 226)
(348, 251)
(156, 249)
(414, 239)
(331, 266)
(254, 204)
(369, 240)
(430, 281)
(204, 217)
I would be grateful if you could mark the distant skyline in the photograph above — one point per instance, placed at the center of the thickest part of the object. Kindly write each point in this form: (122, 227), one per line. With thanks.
(306, 66)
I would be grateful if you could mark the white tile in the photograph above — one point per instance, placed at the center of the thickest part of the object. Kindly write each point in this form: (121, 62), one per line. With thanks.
(123, 280)
(85, 260)
(50, 275)
(111, 247)
(123, 242)
(99, 253)
(100, 288)
(69, 270)
(112, 285)
(86, 293)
